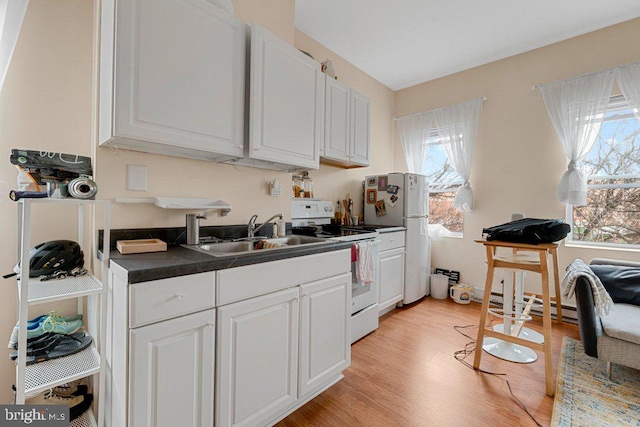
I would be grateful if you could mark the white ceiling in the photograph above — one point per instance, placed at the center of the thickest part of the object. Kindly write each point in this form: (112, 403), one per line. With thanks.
(405, 42)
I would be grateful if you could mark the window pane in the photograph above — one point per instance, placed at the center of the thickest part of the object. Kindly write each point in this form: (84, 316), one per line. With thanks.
(616, 150)
(612, 214)
(443, 184)
(441, 211)
(437, 167)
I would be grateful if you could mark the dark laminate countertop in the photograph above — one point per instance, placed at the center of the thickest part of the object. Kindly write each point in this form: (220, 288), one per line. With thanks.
(180, 261)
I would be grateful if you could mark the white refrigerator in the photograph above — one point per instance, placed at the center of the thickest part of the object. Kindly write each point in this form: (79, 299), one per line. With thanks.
(403, 199)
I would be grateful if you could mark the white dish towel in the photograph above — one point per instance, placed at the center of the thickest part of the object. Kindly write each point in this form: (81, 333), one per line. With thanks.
(365, 272)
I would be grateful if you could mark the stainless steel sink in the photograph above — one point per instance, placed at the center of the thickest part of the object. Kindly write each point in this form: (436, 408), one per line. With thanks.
(251, 246)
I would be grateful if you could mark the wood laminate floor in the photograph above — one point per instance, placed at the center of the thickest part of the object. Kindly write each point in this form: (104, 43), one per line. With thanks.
(405, 374)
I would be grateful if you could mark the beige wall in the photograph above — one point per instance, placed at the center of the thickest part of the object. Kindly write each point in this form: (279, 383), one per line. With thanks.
(330, 181)
(46, 104)
(246, 189)
(518, 160)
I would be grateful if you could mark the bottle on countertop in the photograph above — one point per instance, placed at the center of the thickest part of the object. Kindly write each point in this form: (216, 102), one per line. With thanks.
(298, 186)
(282, 230)
(307, 184)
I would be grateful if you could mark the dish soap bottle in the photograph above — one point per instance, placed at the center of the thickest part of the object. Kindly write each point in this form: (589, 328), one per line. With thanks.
(282, 230)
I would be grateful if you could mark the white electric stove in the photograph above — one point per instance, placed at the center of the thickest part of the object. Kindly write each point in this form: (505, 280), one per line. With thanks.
(314, 217)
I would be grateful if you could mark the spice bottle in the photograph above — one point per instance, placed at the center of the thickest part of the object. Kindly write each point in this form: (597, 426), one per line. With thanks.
(297, 185)
(307, 184)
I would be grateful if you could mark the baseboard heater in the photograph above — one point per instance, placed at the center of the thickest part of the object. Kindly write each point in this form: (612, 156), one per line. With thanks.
(569, 313)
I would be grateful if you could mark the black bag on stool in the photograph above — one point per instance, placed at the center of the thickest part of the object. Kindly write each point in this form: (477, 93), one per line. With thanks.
(529, 230)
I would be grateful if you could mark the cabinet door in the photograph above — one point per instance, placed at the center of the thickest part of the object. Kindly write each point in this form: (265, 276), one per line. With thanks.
(257, 364)
(325, 333)
(171, 372)
(286, 103)
(360, 129)
(336, 121)
(180, 67)
(391, 277)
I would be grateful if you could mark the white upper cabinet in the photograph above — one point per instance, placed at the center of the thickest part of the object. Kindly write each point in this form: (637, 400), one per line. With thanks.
(286, 107)
(172, 78)
(337, 138)
(347, 126)
(360, 129)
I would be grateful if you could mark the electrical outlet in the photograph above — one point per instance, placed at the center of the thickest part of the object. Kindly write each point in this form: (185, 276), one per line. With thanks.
(136, 178)
(275, 188)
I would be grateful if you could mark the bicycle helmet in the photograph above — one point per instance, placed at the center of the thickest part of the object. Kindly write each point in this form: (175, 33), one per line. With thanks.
(56, 255)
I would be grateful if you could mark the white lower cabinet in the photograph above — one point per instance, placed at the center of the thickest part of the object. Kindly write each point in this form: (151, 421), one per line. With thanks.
(325, 333)
(257, 358)
(392, 258)
(266, 337)
(278, 349)
(172, 371)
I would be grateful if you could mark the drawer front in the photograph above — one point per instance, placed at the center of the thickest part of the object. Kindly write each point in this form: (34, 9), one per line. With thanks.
(158, 300)
(236, 284)
(391, 241)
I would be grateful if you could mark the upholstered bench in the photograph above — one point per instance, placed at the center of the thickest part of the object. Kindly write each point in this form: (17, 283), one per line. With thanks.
(615, 337)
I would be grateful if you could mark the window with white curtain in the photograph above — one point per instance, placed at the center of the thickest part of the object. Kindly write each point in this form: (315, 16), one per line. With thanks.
(444, 181)
(612, 214)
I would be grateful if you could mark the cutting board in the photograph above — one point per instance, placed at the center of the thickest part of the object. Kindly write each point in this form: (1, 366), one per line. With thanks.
(140, 246)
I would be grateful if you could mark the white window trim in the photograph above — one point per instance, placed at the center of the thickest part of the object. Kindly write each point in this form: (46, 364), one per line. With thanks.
(617, 102)
(434, 140)
(569, 242)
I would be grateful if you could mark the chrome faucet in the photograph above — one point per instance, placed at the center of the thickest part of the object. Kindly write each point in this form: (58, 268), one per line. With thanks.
(251, 227)
(193, 228)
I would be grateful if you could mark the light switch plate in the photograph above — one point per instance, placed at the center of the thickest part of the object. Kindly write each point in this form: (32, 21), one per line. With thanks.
(136, 178)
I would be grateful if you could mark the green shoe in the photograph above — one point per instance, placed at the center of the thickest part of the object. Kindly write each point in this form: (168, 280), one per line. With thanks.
(56, 325)
(33, 324)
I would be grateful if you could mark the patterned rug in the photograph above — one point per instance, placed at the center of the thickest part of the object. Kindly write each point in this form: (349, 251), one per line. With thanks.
(585, 396)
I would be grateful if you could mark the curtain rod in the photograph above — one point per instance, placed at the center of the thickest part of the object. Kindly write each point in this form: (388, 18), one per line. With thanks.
(484, 98)
(536, 86)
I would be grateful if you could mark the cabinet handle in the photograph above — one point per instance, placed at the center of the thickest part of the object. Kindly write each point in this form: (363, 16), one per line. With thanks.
(210, 325)
(179, 296)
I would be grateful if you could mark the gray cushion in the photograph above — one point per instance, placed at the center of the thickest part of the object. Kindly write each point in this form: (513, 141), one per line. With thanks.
(623, 323)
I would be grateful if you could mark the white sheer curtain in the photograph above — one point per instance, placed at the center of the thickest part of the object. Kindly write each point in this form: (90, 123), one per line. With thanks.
(629, 83)
(11, 16)
(457, 127)
(414, 133)
(576, 108)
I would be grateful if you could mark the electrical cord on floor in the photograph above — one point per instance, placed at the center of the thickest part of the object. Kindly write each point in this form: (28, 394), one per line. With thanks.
(469, 348)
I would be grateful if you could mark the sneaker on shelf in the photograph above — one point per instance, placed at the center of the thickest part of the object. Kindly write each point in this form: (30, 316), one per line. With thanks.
(77, 404)
(73, 388)
(56, 325)
(33, 323)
